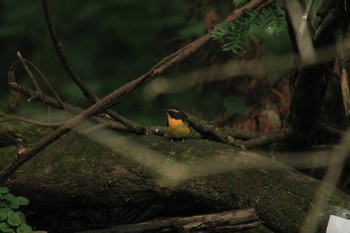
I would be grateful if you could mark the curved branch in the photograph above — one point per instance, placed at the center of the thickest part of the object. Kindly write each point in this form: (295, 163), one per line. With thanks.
(59, 49)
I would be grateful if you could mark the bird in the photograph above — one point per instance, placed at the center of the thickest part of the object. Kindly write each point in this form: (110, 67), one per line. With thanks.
(178, 124)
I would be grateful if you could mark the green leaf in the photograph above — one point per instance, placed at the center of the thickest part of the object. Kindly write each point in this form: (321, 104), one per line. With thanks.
(5, 228)
(3, 204)
(24, 228)
(14, 219)
(3, 216)
(5, 211)
(4, 190)
(14, 204)
(22, 216)
(22, 200)
(9, 197)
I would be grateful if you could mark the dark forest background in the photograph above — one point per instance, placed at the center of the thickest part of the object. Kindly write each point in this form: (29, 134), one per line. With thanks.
(111, 42)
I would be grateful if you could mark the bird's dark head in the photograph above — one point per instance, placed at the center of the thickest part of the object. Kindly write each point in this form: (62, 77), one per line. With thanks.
(176, 113)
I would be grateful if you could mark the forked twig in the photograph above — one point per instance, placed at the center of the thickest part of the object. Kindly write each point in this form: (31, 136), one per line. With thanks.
(28, 71)
(25, 61)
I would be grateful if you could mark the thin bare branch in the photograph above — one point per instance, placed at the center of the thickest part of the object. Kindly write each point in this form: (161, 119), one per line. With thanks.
(68, 107)
(266, 139)
(30, 121)
(28, 71)
(59, 49)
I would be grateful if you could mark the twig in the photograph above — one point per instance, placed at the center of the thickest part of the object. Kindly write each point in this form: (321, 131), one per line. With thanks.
(115, 97)
(228, 136)
(156, 130)
(68, 107)
(44, 98)
(25, 61)
(30, 121)
(266, 139)
(28, 71)
(242, 134)
(209, 130)
(58, 103)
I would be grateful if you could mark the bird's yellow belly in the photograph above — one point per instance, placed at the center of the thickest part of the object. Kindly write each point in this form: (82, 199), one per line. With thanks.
(178, 132)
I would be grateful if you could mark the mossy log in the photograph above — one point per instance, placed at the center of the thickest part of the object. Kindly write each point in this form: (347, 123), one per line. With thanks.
(141, 177)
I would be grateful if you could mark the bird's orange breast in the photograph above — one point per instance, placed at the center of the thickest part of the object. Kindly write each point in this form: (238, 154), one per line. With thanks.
(172, 122)
(177, 128)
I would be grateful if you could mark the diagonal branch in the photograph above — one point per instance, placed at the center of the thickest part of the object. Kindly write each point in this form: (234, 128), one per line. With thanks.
(115, 97)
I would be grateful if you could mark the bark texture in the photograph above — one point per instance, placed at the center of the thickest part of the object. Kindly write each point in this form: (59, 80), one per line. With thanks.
(141, 177)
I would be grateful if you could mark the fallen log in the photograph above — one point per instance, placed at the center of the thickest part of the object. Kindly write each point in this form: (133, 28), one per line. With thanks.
(227, 221)
(128, 174)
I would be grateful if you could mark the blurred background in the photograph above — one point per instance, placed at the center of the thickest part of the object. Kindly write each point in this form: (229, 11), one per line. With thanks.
(112, 42)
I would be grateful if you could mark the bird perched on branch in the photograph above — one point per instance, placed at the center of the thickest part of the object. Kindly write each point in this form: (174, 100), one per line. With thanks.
(178, 124)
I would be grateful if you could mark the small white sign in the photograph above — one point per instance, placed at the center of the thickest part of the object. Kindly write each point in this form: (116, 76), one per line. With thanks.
(338, 225)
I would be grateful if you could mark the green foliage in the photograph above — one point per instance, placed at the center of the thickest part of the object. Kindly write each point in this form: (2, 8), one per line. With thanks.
(233, 34)
(275, 20)
(11, 220)
(240, 2)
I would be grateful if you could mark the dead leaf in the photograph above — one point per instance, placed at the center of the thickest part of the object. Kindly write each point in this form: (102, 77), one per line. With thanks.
(15, 96)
